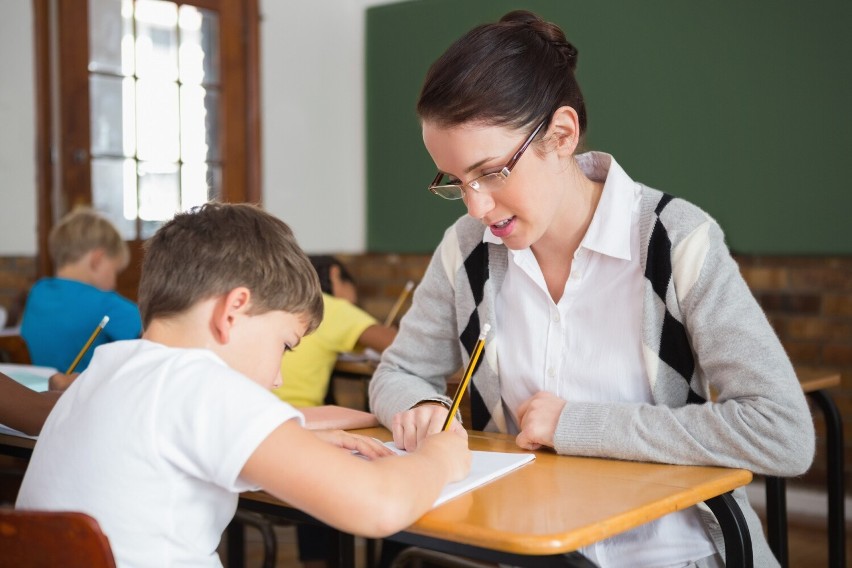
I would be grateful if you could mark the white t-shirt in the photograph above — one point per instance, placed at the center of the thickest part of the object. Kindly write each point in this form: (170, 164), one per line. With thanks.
(150, 441)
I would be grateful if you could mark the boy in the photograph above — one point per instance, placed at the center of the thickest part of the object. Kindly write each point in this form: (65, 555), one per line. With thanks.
(156, 439)
(62, 312)
(307, 371)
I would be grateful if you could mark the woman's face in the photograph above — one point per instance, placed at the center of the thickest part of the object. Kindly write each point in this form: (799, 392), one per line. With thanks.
(524, 209)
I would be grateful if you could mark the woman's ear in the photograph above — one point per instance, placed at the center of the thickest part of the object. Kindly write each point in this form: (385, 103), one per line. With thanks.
(564, 131)
(227, 310)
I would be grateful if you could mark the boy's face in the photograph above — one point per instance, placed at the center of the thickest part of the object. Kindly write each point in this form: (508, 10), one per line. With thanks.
(258, 343)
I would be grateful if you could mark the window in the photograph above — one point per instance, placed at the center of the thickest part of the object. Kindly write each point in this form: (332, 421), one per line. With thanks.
(152, 106)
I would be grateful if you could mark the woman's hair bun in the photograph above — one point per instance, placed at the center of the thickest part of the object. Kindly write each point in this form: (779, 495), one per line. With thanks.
(548, 31)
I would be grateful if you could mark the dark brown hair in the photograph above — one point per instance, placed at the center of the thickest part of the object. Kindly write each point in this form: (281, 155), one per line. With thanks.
(217, 247)
(322, 264)
(514, 73)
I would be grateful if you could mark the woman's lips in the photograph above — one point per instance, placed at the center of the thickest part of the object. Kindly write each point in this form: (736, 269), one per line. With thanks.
(503, 228)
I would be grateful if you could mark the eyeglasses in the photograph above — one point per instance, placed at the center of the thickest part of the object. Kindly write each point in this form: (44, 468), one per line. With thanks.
(486, 183)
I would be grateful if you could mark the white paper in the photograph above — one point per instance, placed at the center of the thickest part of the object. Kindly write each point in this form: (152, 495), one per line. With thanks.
(484, 468)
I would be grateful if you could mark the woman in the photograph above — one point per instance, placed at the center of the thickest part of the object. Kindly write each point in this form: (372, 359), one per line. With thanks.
(615, 309)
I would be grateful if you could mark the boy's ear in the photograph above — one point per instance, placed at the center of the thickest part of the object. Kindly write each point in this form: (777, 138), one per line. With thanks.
(96, 255)
(226, 310)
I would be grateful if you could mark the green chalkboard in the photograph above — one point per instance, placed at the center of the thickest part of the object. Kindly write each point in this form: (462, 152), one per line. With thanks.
(742, 108)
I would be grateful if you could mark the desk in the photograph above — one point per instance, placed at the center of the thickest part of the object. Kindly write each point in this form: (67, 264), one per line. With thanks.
(814, 382)
(540, 514)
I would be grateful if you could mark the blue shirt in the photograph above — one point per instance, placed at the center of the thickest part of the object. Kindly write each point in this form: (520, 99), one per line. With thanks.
(60, 316)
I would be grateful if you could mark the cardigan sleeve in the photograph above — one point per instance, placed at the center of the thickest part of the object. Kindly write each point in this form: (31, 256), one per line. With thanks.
(426, 350)
(759, 420)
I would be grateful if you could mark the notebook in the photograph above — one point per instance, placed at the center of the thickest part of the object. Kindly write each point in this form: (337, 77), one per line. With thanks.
(485, 467)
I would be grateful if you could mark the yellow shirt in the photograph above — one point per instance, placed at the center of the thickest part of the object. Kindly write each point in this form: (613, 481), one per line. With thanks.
(307, 369)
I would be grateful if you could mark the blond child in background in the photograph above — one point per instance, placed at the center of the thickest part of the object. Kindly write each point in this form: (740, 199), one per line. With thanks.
(159, 436)
(62, 311)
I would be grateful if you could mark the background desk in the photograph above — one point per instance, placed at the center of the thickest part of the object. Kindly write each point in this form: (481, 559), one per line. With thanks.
(543, 512)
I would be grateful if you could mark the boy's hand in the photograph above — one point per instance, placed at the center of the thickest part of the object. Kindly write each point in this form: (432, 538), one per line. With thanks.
(61, 381)
(411, 426)
(451, 447)
(364, 445)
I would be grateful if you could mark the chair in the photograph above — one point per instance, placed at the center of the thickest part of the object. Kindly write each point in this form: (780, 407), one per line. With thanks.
(45, 539)
(13, 349)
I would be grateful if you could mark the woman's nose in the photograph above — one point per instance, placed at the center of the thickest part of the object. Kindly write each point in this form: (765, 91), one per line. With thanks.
(478, 203)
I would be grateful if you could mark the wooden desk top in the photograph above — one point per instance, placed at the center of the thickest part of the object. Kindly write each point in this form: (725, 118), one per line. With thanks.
(363, 369)
(558, 504)
(813, 379)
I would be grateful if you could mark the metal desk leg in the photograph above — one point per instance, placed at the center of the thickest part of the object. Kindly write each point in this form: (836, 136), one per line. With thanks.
(236, 538)
(342, 553)
(776, 518)
(738, 553)
(834, 451)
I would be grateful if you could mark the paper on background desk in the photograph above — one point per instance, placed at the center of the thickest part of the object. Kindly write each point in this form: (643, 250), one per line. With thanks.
(30, 376)
(365, 356)
(485, 467)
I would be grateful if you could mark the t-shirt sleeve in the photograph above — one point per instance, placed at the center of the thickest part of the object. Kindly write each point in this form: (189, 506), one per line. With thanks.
(216, 419)
(344, 323)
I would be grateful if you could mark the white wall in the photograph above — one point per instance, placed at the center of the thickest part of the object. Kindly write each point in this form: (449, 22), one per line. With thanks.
(312, 104)
(17, 131)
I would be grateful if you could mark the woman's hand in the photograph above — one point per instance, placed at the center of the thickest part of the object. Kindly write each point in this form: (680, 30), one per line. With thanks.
(538, 417)
(364, 445)
(411, 426)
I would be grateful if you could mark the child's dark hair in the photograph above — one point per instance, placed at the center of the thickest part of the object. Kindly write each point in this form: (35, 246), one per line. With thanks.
(217, 247)
(322, 264)
(515, 73)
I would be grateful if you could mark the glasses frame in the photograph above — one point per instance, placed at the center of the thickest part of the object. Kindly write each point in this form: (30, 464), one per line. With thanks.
(504, 171)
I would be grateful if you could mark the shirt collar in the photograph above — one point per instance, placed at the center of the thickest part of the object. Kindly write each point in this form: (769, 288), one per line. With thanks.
(609, 231)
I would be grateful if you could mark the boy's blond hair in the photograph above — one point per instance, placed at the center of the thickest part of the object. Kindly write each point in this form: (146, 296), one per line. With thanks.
(83, 230)
(217, 247)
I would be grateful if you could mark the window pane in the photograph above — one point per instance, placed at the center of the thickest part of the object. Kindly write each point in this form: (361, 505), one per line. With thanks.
(199, 42)
(114, 192)
(111, 36)
(156, 39)
(112, 115)
(159, 194)
(199, 115)
(158, 121)
(200, 184)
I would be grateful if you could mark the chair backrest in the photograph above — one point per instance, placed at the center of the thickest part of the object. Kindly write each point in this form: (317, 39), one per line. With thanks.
(42, 538)
(13, 349)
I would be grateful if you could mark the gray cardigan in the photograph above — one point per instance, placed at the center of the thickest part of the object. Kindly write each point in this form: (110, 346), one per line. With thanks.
(702, 330)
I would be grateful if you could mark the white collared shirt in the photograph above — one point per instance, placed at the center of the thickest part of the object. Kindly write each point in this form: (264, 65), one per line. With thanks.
(588, 346)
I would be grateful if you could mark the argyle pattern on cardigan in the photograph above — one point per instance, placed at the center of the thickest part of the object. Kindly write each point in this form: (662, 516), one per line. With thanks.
(674, 349)
(476, 267)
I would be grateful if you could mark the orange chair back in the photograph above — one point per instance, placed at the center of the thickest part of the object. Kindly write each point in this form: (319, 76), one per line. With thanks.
(13, 349)
(47, 539)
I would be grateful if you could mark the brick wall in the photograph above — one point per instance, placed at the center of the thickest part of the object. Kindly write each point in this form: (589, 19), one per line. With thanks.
(808, 301)
(17, 274)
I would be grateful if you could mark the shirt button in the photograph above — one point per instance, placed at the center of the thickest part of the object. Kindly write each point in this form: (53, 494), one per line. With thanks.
(556, 317)
(551, 372)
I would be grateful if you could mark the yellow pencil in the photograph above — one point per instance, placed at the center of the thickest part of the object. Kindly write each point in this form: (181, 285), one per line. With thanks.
(87, 345)
(395, 309)
(471, 365)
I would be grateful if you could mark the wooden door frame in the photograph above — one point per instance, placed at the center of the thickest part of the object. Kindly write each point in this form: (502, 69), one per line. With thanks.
(59, 193)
